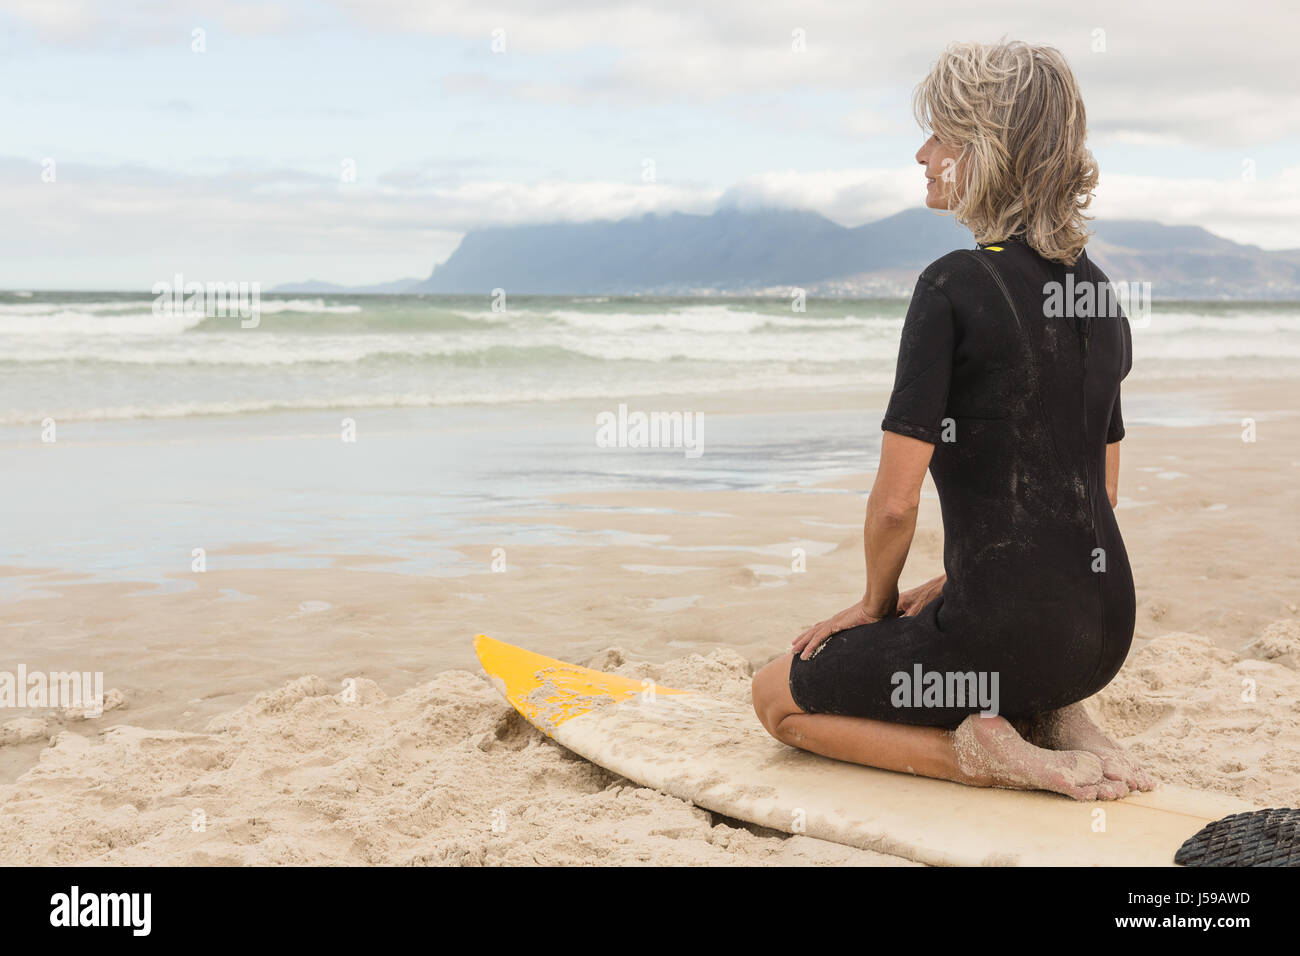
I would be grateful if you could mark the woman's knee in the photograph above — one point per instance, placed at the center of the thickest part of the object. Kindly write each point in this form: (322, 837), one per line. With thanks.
(771, 694)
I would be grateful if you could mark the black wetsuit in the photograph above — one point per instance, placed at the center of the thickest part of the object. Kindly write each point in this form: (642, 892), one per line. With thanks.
(1019, 406)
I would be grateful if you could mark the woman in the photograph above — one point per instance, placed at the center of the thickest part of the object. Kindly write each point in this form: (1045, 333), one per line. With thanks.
(1007, 390)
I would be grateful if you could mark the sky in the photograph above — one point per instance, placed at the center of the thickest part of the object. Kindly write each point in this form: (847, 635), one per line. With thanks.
(356, 141)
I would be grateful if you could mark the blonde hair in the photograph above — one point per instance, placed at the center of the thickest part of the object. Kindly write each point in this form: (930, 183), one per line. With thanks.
(1017, 115)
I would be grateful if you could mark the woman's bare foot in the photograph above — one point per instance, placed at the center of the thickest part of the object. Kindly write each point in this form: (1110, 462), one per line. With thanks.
(990, 753)
(1070, 728)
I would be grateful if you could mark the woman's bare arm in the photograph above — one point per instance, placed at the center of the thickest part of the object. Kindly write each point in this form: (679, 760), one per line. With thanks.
(1112, 473)
(887, 537)
(891, 518)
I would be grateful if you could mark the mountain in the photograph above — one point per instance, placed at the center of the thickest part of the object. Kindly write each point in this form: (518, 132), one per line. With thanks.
(767, 251)
(730, 250)
(1188, 262)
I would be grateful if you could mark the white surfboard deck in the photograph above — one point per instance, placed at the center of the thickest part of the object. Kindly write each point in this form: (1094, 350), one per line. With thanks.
(715, 754)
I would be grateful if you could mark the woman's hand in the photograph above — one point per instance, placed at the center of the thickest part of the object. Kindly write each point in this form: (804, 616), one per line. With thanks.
(807, 643)
(911, 602)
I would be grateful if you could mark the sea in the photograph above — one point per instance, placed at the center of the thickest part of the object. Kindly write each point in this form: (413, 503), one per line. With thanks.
(110, 356)
(393, 425)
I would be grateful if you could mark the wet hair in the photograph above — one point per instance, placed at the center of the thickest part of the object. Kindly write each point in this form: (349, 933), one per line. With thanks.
(1015, 112)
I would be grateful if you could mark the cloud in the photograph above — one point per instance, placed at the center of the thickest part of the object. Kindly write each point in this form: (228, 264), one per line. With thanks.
(271, 225)
(1263, 212)
(850, 197)
(1187, 85)
(100, 24)
(1161, 71)
(57, 20)
(1165, 70)
(275, 225)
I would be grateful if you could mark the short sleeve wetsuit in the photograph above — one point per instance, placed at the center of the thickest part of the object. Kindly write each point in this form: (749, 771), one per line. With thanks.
(1017, 387)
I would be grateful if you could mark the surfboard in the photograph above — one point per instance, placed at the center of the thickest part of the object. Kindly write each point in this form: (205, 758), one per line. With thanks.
(715, 754)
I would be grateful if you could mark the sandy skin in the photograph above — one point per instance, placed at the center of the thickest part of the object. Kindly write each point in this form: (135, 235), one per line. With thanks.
(1062, 752)
(1070, 728)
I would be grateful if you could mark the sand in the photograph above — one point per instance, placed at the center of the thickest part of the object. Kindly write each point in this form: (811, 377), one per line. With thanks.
(338, 716)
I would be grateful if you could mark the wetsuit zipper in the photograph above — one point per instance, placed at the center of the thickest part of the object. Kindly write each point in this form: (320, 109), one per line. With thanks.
(1085, 330)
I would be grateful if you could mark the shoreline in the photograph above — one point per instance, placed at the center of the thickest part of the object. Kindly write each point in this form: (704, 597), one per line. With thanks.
(571, 530)
(698, 586)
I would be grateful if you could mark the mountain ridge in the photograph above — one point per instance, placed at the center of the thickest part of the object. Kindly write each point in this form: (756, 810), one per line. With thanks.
(769, 250)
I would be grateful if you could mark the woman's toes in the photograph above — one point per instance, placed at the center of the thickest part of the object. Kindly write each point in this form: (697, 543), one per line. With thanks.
(1078, 775)
(1103, 788)
(990, 751)
(1113, 790)
(1136, 777)
(1119, 767)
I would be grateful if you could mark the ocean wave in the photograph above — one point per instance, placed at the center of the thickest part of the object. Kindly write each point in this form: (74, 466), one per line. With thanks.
(818, 324)
(1222, 347)
(494, 394)
(135, 317)
(490, 390)
(42, 308)
(65, 322)
(340, 322)
(711, 318)
(313, 306)
(359, 350)
(549, 349)
(1183, 323)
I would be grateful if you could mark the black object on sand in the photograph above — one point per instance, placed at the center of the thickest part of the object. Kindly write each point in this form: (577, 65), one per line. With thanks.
(1259, 838)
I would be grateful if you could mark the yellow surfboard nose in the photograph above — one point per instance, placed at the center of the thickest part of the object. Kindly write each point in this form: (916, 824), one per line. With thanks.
(547, 691)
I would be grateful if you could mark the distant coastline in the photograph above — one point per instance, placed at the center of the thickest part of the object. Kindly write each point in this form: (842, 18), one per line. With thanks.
(769, 252)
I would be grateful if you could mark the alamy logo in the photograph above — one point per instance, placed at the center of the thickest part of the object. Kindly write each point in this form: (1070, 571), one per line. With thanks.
(683, 430)
(209, 300)
(102, 909)
(922, 688)
(1108, 300)
(59, 689)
